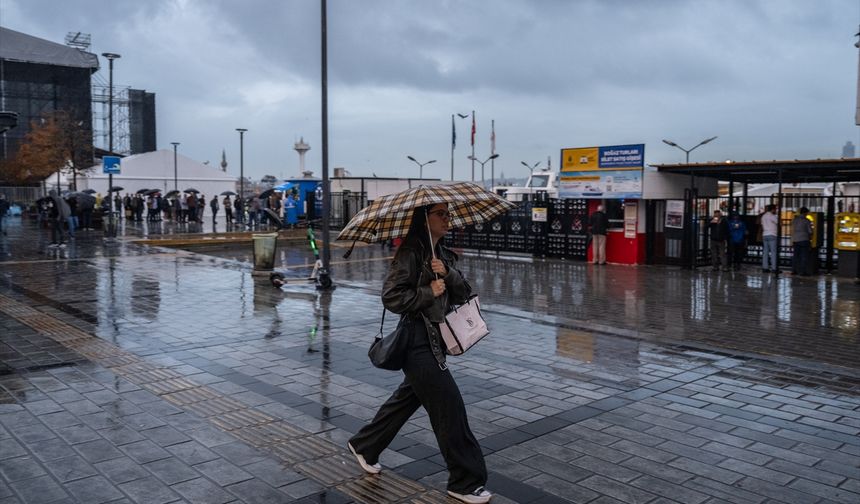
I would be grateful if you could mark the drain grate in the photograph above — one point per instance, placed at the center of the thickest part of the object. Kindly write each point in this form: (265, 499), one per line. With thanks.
(381, 489)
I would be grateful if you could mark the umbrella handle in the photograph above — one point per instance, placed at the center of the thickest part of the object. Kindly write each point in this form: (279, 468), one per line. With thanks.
(430, 236)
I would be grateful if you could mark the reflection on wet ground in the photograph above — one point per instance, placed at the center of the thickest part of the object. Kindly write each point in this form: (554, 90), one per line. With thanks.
(750, 312)
(206, 385)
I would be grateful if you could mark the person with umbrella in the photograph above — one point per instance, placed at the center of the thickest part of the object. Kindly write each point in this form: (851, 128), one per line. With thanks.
(422, 282)
(228, 209)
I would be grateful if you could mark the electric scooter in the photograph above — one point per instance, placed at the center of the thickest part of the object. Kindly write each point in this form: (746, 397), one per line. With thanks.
(319, 276)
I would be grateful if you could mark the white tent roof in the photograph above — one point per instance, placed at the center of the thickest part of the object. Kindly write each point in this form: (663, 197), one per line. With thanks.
(155, 170)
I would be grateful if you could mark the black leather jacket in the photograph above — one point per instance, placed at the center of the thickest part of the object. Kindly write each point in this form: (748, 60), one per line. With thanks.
(407, 290)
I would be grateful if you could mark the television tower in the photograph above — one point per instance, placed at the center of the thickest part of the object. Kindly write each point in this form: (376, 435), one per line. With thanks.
(302, 148)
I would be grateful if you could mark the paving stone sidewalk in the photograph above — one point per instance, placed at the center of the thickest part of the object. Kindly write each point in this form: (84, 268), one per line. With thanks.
(140, 374)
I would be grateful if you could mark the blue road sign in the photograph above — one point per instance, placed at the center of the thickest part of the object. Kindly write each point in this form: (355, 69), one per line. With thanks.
(111, 164)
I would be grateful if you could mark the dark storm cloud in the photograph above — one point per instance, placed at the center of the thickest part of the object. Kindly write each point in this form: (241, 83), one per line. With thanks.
(772, 78)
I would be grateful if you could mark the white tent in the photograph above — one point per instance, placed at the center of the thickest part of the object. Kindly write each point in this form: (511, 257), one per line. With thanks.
(154, 170)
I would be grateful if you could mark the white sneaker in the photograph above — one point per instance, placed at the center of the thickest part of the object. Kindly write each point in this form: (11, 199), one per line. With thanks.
(479, 496)
(370, 469)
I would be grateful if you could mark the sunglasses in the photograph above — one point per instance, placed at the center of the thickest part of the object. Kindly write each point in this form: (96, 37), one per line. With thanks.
(442, 214)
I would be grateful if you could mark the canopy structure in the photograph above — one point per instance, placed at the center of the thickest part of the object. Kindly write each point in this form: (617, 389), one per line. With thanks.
(763, 172)
(155, 170)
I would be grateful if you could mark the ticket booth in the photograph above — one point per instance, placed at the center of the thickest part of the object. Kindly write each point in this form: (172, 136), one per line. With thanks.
(847, 241)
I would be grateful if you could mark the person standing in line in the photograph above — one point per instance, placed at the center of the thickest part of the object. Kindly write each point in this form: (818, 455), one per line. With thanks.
(737, 240)
(420, 289)
(801, 233)
(213, 205)
(239, 206)
(718, 228)
(59, 213)
(599, 225)
(126, 207)
(72, 219)
(769, 224)
(201, 207)
(254, 213)
(228, 210)
(191, 201)
(177, 209)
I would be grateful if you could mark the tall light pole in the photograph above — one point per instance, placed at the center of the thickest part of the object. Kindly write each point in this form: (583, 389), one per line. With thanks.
(420, 165)
(530, 167)
(110, 57)
(324, 280)
(482, 163)
(175, 171)
(454, 139)
(242, 163)
(689, 237)
(688, 151)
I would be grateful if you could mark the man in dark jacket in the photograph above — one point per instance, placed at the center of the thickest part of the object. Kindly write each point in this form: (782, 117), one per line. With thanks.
(718, 228)
(599, 224)
(801, 234)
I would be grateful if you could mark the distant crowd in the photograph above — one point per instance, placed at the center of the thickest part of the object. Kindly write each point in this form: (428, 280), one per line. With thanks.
(66, 215)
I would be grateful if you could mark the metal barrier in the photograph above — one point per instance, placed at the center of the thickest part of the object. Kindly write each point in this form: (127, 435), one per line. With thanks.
(564, 234)
(822, 208)
(22, 195)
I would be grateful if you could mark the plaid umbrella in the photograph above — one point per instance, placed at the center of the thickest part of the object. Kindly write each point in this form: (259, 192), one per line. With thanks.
(389, 216)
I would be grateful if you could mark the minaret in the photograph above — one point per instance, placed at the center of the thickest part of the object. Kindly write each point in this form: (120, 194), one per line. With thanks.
(302, 148)
(223, 160)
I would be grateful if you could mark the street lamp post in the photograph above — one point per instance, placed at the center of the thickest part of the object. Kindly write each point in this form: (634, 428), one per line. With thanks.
(175, 171)
(689, 237)
(530, 167)
(482, 163)
(242, 163)
(420, 165)
(688, 151)
(110, 228)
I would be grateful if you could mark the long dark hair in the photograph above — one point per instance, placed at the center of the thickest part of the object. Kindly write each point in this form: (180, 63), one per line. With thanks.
(418, 226)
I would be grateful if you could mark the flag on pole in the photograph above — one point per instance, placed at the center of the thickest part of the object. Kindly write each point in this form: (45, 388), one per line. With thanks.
(493, 139)
(473, 128)
(453, 133)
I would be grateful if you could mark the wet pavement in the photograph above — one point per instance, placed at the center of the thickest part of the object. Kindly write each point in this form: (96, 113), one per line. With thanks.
(138, 373)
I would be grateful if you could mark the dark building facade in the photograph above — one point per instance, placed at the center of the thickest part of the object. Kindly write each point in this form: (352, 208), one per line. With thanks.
(141, 121)
(38, 77)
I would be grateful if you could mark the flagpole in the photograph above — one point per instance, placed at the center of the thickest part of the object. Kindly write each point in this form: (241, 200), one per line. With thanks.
(473, 146)
(453, 143)
(492, 151)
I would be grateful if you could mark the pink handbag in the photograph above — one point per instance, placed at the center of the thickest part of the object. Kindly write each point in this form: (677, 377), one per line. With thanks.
(463, 327)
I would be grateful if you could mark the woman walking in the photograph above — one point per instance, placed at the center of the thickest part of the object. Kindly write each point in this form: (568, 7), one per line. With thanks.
(420, 289)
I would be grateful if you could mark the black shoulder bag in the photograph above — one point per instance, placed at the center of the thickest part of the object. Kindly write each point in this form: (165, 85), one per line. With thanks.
(389, 352)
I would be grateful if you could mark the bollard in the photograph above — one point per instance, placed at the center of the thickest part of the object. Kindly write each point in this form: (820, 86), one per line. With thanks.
(264, 253)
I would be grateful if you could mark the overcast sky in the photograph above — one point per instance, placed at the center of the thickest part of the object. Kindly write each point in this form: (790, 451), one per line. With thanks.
(774, 79)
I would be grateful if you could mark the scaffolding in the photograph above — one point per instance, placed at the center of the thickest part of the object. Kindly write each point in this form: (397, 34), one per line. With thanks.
(101, 115)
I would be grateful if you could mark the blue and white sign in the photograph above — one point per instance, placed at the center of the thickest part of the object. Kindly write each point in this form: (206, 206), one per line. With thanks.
(621, 156)
(111, 165)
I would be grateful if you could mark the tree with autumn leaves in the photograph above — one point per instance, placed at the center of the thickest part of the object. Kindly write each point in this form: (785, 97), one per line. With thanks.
(56, 141)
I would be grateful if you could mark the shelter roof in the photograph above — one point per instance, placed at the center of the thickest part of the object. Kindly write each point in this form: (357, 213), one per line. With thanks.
(158, 165)
(17, 46)
(799, 171)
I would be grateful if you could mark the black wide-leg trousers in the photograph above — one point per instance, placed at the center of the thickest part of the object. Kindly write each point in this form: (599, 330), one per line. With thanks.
(429, 386)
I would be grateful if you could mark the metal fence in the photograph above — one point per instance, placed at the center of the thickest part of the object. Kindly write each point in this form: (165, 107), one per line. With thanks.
(690, 244)
(562, 234)
(23, 196)
(344, 205)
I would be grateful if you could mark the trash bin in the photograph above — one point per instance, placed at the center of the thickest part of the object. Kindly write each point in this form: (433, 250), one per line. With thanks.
(264, 252)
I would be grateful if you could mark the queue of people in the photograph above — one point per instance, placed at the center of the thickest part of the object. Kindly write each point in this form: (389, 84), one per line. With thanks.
(729, 239)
